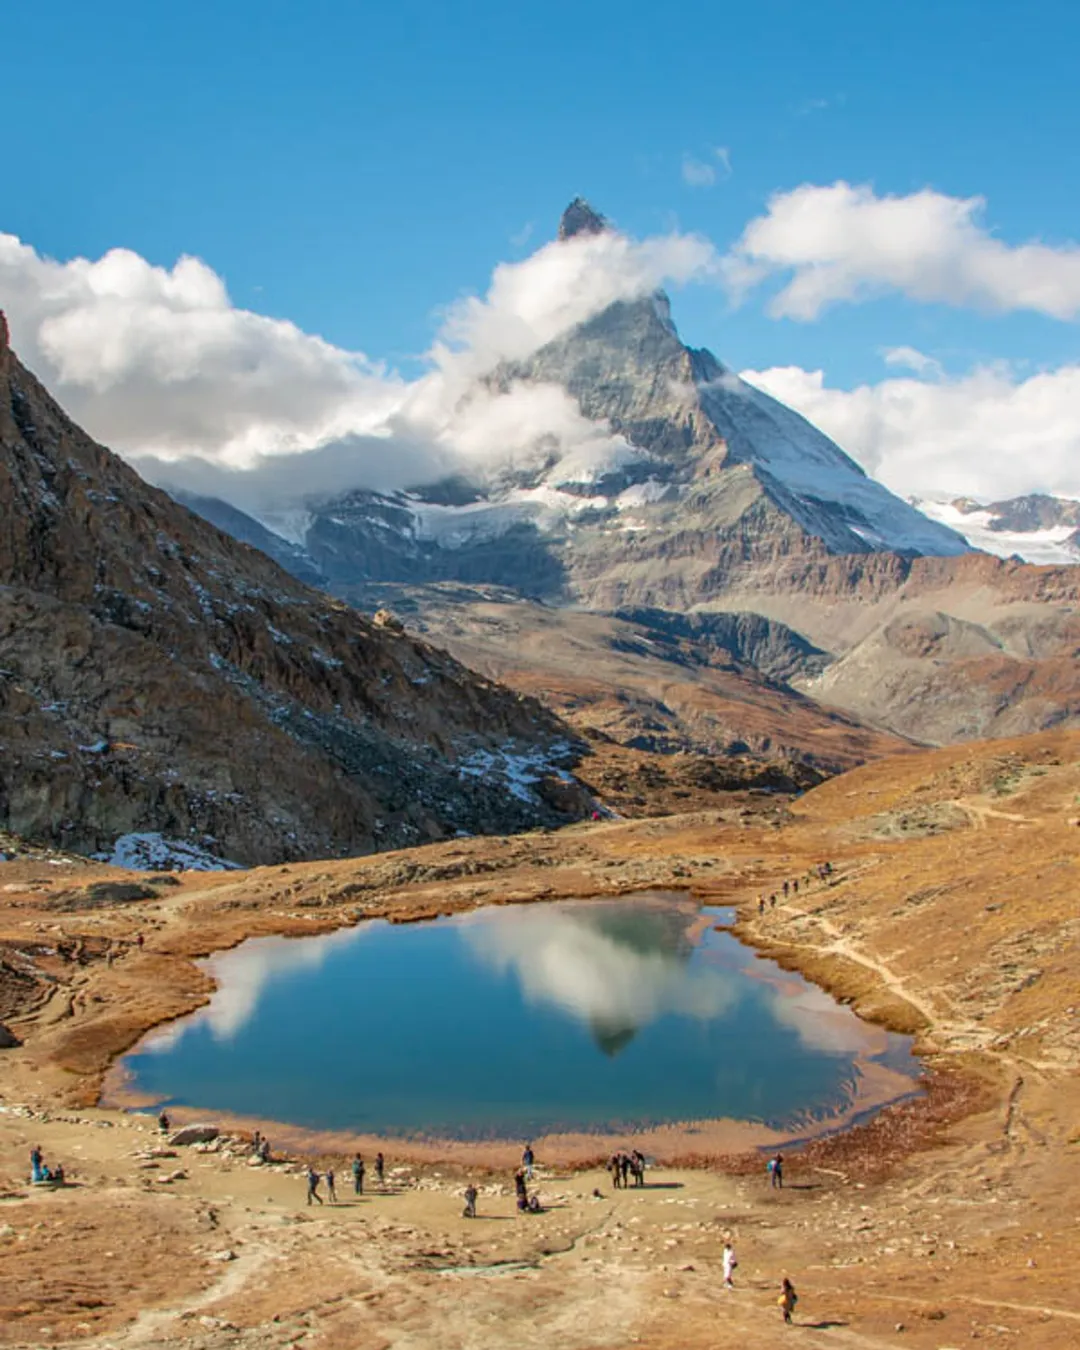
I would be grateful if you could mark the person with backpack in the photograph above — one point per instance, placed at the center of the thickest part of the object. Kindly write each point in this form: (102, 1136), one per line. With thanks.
(787, 1300)
(775, 1169)
(313, 1185)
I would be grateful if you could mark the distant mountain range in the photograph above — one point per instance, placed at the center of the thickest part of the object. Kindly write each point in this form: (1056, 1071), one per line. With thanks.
(1036, 528)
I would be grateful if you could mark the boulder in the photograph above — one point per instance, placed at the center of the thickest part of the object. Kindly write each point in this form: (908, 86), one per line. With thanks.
(194, 1134)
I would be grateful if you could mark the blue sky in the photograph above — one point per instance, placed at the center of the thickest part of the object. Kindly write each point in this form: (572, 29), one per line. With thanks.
(356, 167)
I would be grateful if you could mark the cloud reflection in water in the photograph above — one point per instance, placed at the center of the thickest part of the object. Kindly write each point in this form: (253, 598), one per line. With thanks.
(616, 968)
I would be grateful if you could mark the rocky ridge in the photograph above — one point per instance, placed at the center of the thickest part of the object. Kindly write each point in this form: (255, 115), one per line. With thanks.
(157, 675)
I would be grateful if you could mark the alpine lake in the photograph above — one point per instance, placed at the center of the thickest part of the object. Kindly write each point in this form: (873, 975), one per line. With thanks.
(520, 1021)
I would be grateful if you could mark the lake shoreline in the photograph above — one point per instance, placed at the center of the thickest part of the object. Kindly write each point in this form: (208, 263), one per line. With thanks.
(695, 1142)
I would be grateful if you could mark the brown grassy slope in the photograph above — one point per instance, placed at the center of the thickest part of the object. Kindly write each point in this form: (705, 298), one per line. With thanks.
(952, 907)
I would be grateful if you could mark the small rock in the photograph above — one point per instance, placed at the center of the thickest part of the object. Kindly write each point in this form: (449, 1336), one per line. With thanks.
(226, 1254)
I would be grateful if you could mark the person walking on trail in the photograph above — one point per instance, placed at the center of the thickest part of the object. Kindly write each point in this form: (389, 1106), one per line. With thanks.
(775, 1169)
(772, 900)
(527, 1160)
(331, 1192)
(358, 1175)
(760, 905)
(313, 1186)
(729, 1265)
(787, 1300)
(380, 1167)
(469, 1212)
(795, 885)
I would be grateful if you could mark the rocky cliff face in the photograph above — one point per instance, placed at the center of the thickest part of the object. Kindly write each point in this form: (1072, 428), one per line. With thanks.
(156, 675)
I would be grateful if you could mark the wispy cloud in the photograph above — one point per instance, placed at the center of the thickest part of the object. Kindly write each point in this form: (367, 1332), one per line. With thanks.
(696, 173)
(699, 173)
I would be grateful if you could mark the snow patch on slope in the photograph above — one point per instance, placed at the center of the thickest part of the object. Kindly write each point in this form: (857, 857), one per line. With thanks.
(519, 771)
(152, 852)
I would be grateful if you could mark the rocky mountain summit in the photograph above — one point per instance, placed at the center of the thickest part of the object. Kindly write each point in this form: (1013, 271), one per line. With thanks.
(696, 478)
(160, 680)
(706, 508)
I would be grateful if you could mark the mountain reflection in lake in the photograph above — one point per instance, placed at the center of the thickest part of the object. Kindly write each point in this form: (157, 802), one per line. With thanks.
(510, 1021)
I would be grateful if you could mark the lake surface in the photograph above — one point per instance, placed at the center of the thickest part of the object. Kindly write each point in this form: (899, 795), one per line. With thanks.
(515, 1021)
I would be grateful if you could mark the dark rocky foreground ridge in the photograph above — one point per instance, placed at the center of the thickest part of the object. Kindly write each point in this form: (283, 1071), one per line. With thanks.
(157, 675)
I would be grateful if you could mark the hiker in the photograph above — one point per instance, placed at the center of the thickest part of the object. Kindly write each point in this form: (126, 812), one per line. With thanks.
(256, 1143)
(533, 1205)
(330, 1185)
(615, 1170)
(163, 1123)
(358, 1175)
(795, 885)
(637, 1163)
(760, 905)
(35, 1161)
(313, 1186)
(469, 1212)
(788, 1298)
(772, 900)
(519, 1184)
(624, 1169)
(264, 1149)
(380, 1164)
(729, 1265)
(775, 1168)
(786, 889)
(527, 1160)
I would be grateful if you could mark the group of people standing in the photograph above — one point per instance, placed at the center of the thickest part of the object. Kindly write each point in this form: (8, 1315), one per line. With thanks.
(357, 1167)
(623, 1166)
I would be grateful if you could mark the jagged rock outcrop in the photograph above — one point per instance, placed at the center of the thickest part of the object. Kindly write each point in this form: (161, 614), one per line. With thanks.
(157, 675)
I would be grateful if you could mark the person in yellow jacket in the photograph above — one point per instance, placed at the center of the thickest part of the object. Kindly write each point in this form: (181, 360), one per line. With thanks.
(788, 1298)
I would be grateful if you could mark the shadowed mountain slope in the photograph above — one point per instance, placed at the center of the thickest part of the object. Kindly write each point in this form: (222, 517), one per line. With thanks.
(158, 676)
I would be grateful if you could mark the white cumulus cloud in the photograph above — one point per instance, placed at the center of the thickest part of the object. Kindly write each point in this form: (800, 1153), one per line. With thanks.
(159, 364)
(988, 434)
(846, 243)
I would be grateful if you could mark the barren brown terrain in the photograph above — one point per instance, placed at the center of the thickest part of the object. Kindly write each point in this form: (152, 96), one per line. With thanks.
(951, 913)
